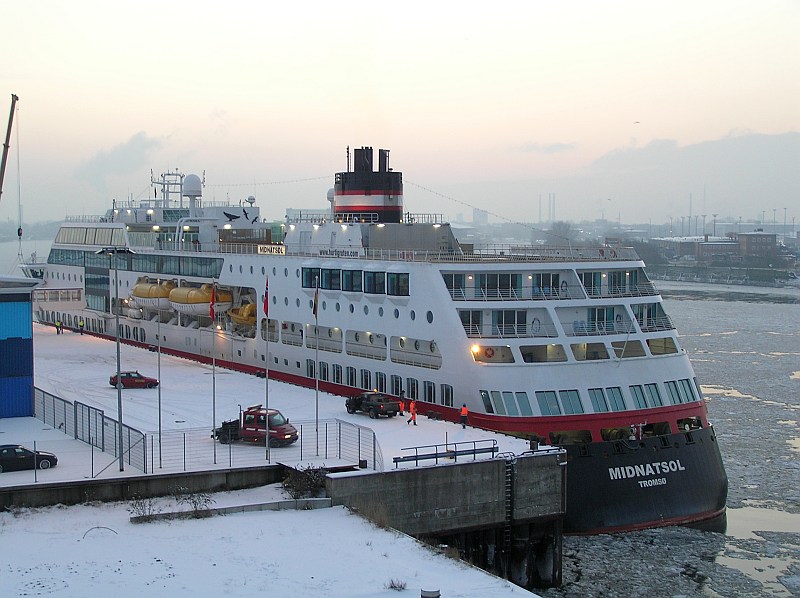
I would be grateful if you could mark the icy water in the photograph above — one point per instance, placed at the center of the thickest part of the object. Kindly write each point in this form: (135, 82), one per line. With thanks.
(745, 347)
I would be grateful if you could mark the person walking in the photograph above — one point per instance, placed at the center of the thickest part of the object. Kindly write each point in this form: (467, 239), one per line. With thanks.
(412, 409)
(402, 400)
(80, 325)
(464, 414)
(59, 327)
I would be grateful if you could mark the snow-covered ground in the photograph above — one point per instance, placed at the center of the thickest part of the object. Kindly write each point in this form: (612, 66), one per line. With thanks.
(86, 549)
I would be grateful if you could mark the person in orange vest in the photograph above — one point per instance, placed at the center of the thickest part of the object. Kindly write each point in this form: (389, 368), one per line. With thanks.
(464, 414)
(412, 409)
(402, 400)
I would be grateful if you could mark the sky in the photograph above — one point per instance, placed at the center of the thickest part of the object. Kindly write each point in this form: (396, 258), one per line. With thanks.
(625, 110)
(95, 550)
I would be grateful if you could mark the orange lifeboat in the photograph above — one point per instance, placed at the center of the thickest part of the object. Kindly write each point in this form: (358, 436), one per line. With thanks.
(244, 315)
(196, 301)
(152, 295)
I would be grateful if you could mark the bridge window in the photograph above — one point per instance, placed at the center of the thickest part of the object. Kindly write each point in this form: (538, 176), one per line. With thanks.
(598, 398)
(638, 396)
(615, 398)
(571, 400)
(548, 403)
(653, 394)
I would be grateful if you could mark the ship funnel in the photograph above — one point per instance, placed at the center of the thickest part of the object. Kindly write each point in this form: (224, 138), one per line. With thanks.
(364, 195)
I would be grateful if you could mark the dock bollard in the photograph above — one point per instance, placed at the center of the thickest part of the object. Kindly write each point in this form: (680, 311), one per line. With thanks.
(429, 594)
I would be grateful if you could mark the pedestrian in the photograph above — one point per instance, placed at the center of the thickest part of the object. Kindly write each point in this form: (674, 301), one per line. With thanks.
(402, 401)
(464, 414)
(412, 409)
(80, 325)
(58, 327)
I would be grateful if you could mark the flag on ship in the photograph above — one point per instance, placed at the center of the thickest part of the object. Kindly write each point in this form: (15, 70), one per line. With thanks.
(266, 297)
(316, 299)
(213, 301)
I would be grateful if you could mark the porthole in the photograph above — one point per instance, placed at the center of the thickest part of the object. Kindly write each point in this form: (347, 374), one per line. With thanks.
(352, 308)
(433, 347)
(366, 310)
(429, 315)
(324, 305)
(251, 269)
(230, 268)
(297, 302)
(402, 343)
(416, 345)
(292, 327)
(274, 271)
(413, 315)
(396, 313)
(357, 337)
(371, 339)
(338, 306)
(286, 272)
(263, 270)
(380, 312)
(330, 333)
(297, 273)
(240, 268)
(286, 301)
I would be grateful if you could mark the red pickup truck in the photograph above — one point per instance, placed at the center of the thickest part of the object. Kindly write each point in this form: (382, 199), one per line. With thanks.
(250, 428)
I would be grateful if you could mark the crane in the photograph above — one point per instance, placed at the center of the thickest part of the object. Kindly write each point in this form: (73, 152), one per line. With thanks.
(14, 99)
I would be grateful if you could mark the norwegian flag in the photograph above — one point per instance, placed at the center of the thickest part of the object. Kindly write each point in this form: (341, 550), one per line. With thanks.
(213, 301)
(266, 298)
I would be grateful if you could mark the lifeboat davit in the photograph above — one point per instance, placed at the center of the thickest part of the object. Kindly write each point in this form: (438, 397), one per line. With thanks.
(244, 315)
(151, 295)
(196, 301)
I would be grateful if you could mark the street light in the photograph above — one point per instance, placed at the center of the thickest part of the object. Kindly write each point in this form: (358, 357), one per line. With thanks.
(115, 251)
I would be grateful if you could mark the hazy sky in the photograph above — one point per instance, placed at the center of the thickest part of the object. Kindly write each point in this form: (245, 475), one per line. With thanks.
(622, 109)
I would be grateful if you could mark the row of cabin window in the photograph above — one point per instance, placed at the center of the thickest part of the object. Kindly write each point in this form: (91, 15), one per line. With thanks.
(543, 282)
(368, 380)
(166, 265)
(569, 402)
(376, 283)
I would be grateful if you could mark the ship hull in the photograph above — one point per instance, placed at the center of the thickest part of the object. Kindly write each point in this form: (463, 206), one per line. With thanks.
(677, 479)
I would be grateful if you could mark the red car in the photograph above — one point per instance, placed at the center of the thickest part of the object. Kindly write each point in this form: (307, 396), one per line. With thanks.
(133, 380)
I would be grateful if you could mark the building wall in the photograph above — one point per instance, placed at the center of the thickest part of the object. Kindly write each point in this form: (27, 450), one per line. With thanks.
(16, 354)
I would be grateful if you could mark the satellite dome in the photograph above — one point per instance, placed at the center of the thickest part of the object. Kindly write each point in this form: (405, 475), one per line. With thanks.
(331, 194)
(192, 186)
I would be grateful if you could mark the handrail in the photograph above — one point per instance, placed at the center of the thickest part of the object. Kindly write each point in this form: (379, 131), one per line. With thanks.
(447, 453)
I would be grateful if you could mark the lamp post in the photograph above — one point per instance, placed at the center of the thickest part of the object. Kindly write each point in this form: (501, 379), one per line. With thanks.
(158, 337)
(316, 360)
(115, 251)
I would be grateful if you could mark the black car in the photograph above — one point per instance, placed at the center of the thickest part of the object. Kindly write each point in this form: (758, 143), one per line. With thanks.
(14, 457)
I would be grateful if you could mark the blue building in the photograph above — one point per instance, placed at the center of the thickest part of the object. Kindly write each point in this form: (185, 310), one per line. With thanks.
(16, 346)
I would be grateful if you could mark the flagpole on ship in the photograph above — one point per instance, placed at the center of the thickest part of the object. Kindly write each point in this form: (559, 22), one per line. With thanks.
(213, 363)
(266, 365)
(316, 359)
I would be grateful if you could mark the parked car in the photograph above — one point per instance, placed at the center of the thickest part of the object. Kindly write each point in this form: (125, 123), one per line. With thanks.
(133, 380)
(14, 457)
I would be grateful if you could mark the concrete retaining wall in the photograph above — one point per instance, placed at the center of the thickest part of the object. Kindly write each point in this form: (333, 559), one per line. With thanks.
(456, 497)
(120, 489)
